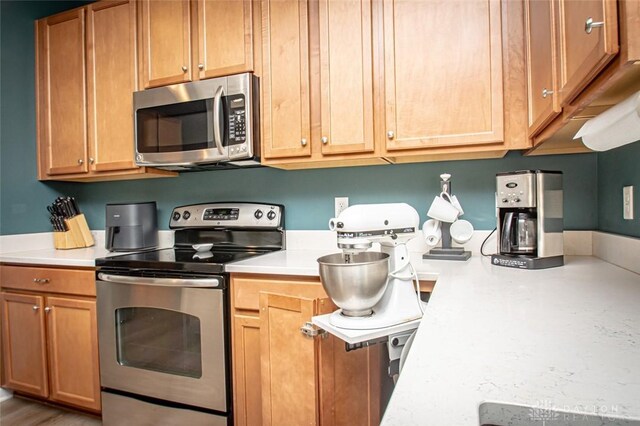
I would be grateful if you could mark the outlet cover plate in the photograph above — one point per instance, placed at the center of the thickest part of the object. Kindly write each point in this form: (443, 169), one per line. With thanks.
(341, 203)
(627, 202)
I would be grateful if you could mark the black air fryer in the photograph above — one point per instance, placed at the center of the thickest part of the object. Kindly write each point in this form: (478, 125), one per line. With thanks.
(131, 226)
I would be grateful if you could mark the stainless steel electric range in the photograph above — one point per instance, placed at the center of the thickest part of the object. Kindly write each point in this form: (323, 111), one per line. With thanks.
(163, 316)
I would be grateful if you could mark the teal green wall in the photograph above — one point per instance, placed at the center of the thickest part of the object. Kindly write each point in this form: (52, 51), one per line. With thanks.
(308, 194)
(617, 168)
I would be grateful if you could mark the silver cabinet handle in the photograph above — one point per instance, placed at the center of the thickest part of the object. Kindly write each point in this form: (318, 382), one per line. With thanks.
(47, 309)
(303, 142)
(163, 282)
(184, 69)
(35, 308)
(92, 160)
(201, 66)
(325, 140)
(81, 161)
(41, 280)
(391, 134)
(546, 92)
(589, 25)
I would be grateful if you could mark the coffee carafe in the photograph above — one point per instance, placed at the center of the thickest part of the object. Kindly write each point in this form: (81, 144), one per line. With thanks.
(530, 219)
(518, 233)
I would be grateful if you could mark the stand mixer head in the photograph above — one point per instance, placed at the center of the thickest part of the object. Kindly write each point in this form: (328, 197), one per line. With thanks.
(370, 296)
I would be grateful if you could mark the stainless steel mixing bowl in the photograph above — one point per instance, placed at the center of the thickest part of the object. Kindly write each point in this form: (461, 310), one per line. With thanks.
(355, 283)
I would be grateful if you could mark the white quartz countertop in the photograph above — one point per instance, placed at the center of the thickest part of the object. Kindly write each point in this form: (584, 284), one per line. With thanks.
(81, 257)
(565, 337)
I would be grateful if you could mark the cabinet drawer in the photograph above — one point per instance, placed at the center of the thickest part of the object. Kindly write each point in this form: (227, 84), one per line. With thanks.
(246, 289)
(50, 280)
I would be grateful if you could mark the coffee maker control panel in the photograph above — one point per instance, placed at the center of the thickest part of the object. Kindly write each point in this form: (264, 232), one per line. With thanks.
(516, 190)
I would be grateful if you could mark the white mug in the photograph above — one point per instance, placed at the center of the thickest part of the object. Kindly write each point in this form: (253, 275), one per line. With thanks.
(431, 231)
(456, 204)
(442, 209)
(461, 231)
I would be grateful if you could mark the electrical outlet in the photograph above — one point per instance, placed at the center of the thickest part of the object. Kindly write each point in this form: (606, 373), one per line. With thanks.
(627, 202)
(341, 203)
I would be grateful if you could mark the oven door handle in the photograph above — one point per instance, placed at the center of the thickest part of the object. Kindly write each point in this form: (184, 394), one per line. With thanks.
(161, 282)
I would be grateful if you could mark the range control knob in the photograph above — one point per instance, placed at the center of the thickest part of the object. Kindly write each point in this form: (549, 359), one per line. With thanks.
(271, 215)
(258, 214)
(505, 200)
(186, 215)
(516, 200)
(176, 216)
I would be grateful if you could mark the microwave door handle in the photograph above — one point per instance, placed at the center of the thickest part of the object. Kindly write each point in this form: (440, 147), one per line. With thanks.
(217, 111)
(162, 282)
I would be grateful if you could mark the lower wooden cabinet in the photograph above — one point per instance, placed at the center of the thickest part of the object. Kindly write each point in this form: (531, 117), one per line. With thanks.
(50, 341)
(281, 376)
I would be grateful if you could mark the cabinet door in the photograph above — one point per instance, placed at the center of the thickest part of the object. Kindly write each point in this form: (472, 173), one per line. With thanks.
(23, 344)
(288, 361)
(346, 98)
(541, 64)
(225, 37)
(166, 42)
(286, 128)
(442, 73)
(111, 75)
(246, 370)
(585, 49)
(62, 118)
(73, 352)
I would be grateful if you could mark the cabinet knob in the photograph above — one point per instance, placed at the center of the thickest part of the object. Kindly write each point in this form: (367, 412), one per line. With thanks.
(546, 92)
(47, 309)
(35, 308)
(201, 66)
(81, 161)
(325, 140)
(391, 134)
(184, 68)
(303, 142)
(91, 160)
(41, 280)
(589, 25)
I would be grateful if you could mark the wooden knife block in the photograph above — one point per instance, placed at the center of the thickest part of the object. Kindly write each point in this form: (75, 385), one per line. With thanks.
(77, 236)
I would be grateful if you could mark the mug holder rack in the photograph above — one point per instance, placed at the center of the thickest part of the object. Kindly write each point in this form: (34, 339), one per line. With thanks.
(446, 252)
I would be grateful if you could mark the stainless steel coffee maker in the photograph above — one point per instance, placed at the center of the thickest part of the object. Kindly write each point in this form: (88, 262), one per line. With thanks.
(530, 219)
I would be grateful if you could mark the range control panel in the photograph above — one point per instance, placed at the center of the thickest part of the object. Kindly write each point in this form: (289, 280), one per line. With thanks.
(228, 215)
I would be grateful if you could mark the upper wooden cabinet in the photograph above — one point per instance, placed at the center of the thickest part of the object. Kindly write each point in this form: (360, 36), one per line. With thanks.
(442, 73)
(225, 37)
(346, 76)
(588, 39)
(286, 112)
(86, 75)
(165, 27)
(62, 92)
(184, 40)
(542, 91)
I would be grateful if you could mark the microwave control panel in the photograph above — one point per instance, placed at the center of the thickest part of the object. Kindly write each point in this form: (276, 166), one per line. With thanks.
(237, 119)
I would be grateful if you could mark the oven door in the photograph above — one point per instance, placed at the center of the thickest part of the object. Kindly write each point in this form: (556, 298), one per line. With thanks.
(164, 338)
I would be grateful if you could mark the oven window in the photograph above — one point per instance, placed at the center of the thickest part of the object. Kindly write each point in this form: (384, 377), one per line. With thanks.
(159, 340)
(185, 126)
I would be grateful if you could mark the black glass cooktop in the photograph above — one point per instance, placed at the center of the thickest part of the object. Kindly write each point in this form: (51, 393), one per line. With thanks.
(177, 259)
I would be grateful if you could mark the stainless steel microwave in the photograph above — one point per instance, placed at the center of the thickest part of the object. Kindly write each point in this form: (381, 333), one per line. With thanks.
(200, 125)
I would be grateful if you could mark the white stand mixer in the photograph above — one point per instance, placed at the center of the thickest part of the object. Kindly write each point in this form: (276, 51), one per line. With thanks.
(392, 226)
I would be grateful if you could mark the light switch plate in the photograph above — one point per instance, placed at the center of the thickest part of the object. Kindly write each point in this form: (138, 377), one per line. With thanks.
(627, 202)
